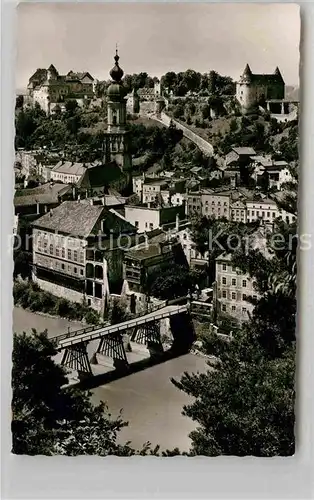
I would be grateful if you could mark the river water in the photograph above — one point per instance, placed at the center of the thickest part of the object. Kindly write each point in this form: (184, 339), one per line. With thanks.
(148, 400)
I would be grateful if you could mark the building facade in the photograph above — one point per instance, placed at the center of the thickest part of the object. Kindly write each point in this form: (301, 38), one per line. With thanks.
(73, 247)
(147, 219)
(232, 288)
(253, 89)
(47, 87)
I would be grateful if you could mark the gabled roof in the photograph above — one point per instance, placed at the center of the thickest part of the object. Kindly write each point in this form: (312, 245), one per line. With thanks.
(244, 151)
(70, 168)
(100, 176)
(81, 220)
(44, 194)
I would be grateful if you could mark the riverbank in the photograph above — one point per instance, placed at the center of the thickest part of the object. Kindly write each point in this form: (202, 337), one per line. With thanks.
(29, 296)
(150, 402)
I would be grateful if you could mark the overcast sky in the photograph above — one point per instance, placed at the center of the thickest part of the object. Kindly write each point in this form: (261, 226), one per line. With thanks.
(157, 38)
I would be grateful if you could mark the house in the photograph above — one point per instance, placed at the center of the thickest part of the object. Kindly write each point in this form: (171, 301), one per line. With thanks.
(68, 172)
(277, 171)
(152, 187)
(238, 211)
(144, 262)
(215, 204)
(76, 254)
(41, 199)
(232, 289)
(264, 209)
(148, 218)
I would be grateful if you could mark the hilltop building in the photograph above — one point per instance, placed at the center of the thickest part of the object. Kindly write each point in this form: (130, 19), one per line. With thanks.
(253, 89)
(47, 87)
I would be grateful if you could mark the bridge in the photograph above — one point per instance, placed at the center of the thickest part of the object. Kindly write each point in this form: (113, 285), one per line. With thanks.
(143, 329)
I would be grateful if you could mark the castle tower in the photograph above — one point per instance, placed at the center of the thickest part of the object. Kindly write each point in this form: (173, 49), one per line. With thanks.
(244, 89)
(52, 73)
(116, 140)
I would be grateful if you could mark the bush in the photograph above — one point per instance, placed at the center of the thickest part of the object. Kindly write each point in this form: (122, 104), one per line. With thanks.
(92, 317)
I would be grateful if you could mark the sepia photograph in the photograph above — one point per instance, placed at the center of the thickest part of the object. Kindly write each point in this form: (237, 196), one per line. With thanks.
(155, 232)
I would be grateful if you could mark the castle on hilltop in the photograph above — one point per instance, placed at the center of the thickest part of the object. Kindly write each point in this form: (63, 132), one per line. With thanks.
(48, 88)
(254, 89)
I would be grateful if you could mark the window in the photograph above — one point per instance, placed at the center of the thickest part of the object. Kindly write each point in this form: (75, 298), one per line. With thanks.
(224, 281)
(75, 270)
(51, 249)
(243, 310)
(57, 252)
(81, 272)
(62, 266)
(244, 283)
(248, 212)
(233, 308)
(257, 213)
(268, 214)
(223, 307)
(224, 294)
(274, 215)
(63, 253)
(244, 296)
(75, 255)
(233, 282)
(253, 213)
(136, 223)
(151, 226)
(69, 254)
(82, 257)
(184, 236)
(224, 267)
(233, 296)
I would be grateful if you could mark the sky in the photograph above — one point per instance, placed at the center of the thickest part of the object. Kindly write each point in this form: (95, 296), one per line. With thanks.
(158, 37)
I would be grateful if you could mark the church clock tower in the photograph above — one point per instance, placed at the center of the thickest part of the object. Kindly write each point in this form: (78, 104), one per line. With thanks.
(117, 138)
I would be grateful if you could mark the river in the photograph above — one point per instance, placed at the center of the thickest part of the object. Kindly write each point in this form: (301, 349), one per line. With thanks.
(148, 400)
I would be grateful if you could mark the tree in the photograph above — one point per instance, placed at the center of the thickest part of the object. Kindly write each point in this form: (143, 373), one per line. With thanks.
(243, 407)
(172, 282)
(48, 419)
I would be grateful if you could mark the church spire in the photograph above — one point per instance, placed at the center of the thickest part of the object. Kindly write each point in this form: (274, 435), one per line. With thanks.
(116, 73)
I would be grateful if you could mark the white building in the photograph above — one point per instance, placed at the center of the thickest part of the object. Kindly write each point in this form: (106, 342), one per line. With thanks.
(148, 219)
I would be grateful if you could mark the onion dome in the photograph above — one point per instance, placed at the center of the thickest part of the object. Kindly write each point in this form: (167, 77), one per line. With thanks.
(116, 91)
(116, 73)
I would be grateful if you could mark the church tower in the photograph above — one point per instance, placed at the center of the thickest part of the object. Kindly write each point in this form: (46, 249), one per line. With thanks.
(116, 138)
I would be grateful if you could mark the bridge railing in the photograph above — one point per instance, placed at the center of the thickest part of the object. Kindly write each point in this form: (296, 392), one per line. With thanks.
(94, 328)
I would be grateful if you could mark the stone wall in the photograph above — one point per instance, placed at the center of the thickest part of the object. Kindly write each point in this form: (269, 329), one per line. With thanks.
(59, 291)
(204, 146)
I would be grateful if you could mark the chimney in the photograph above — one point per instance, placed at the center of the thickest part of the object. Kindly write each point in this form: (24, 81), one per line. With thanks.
(91, 201)
(103, 200)
(233, 182)
(50, 213)
(73, 192)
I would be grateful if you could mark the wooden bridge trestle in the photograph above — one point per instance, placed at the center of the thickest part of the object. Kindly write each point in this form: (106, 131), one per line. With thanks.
(76, 358)
(147, 333)
(112, 346)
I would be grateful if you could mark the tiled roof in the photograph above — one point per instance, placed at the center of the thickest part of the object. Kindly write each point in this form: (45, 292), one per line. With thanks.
(100, 176)
(45, 194)
(244, 151)
(76, 219)
(80, 219)
(70, 168)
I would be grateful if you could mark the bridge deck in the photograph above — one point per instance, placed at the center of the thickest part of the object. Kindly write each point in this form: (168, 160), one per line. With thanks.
(98, 333)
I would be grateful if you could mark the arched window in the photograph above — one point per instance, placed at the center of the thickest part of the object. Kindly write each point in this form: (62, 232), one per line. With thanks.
(114, 119)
